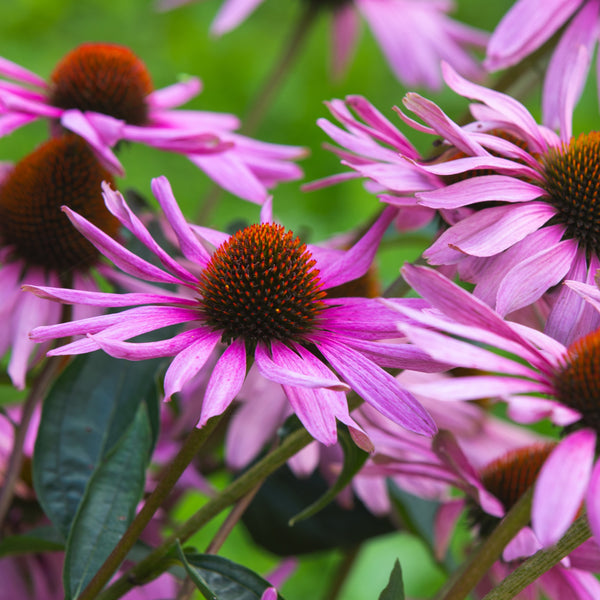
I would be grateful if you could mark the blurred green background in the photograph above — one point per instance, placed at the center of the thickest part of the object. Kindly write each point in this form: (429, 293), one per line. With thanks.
(37, 33)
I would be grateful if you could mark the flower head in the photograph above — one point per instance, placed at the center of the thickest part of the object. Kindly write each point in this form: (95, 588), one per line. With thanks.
(260, 294)
(531, 198)
(104, 93)
(38, 244)
(536, 375)
(414, 35)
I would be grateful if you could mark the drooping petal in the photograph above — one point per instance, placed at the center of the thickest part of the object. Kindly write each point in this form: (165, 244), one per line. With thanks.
(592, 502)
(225, 381)
(287, 368)
(524, 28)
(356, 261)
(190, 245)
(377, 387)
(494, 188)
(189, 362)
(561, 486)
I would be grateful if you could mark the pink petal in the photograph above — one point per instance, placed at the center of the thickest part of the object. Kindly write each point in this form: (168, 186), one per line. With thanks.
(491, 230)
(175, 95)
(485, 188)
(190, 245)
(592, 502)
(231, 14)
(286, 368)
(561, 486)
(524, 28)
(531, 278)
(189, 362)
(225, 381)
(377, 387)
(344, 33)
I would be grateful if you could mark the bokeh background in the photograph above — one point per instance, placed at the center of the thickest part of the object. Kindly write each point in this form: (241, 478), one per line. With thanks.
(37, 33)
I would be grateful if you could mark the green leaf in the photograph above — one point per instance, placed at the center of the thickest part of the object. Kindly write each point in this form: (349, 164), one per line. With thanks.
(108, 506)
(416, 514)
(195, 576)
(394, 590)
(41, 539)
(86, 413)
(354, 458)
(224, 579)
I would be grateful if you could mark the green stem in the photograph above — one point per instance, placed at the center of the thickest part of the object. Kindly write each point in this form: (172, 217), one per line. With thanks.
(466, 578)
(279, 70)
(154, 564)
(38, 391)
(188, 451)
(541, 562)
(260, 104)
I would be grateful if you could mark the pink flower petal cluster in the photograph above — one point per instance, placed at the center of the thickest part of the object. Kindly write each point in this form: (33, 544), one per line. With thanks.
(414, 35)
(349, 333)
(519, 234)
(241, 165)
(531, 23)
(531, 375)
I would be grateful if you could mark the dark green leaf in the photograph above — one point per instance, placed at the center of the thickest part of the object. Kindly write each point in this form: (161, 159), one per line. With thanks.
(86, 413)
(354, 459)
(108, 506)
(41, 539)
(194, 575)
(283, 495)
(225, 579)
(394, 590)
(417, 514)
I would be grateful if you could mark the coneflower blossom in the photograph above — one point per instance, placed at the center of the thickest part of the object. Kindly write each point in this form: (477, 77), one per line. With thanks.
(532, 199)
(104, 93)
(38, 244)
(262, 294)
(528, 25)
(414, 35)
(536, 375)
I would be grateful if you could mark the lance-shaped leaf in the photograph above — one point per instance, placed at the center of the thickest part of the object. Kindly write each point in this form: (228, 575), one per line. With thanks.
(40, 539)
(394, 590)
(86, 413)
(221, 579)
(108, 506)
(354, 459)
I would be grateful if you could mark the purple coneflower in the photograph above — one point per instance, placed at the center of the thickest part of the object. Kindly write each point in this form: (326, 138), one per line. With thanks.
(537, 376)
(414, 35)
(532, 197)
(528, 25)
(104, 93)
(39, 246)
(262, 294)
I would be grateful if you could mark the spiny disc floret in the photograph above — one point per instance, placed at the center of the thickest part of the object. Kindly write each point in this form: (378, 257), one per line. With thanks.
(577, 381)
(62, 171)
(104, 78)
(573, 184)
(261, 286)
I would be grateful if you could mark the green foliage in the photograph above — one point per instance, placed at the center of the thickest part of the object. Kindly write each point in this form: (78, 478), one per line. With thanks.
(395, 587)
(221, 579)
(86, 414)
(354, 459)
(108, 506)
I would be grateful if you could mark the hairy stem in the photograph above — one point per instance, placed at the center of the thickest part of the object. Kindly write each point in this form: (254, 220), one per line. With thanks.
(171, 475)
(541, 562)
(154, 564)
